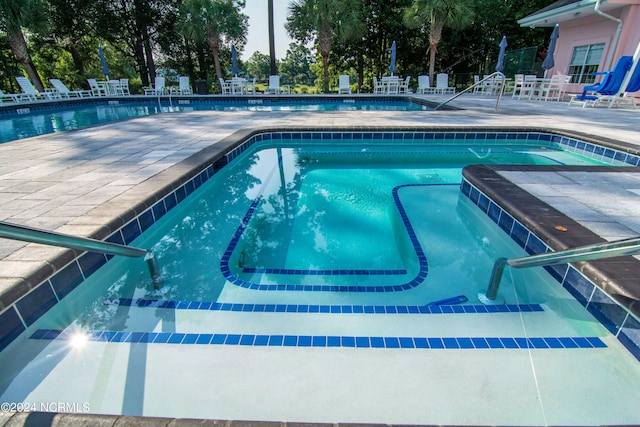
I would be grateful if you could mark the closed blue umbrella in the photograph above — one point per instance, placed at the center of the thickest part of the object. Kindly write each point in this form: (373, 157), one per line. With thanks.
(503, 48)
(234, 61)
(549, 62)
(103, 61)
(392, 66)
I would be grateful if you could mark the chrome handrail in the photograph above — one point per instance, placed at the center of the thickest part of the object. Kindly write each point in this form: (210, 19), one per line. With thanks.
(45, 237)
(490, 76)
(603, 250)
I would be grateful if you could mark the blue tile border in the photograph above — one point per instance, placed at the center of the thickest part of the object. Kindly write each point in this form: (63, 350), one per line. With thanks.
(420, 255)
(69, 277)
(326, 341)
(616, 318)
(431, 308)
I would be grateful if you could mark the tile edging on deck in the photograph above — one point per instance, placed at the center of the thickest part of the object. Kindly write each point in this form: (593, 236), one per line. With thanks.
(483, 186)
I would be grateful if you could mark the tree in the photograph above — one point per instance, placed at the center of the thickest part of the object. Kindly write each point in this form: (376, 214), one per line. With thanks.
(272, 42)
(212, 21)
(437, 14)
(258, 66)
(295, 66)
(325, 20)
(15, 14)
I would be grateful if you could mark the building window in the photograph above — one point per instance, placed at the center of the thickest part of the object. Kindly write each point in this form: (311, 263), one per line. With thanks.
(584, 61)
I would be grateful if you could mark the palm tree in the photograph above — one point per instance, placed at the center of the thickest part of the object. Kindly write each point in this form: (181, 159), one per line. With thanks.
(272, 44)
(326, 19)
(437, 14)
(213, 20)
(15, 14)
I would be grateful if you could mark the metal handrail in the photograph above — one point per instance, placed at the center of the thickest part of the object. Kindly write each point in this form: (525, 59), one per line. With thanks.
(36, 235)
(490, 76)
(603, 250)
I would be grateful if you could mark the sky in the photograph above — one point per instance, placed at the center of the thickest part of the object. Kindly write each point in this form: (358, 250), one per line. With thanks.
(258, 37)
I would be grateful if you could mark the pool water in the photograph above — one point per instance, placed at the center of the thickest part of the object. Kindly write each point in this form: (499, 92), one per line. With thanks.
(28, 122)
(312, 274)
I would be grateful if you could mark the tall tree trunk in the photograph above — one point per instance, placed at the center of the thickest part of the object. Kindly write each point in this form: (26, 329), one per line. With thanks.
(142, 65)
(272, 43)
(214, 45)
(151, 65)
(325, 68)
(324, 45)
(19, 47)
(435, 35)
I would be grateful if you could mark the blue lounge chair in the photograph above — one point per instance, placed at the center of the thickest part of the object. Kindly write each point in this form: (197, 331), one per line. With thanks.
(621, 98)
(609, 85)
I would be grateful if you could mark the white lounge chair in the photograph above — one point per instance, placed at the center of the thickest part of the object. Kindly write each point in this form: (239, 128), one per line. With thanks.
(424, 86)
(442, 84)
(157, 89)
(30, 92)
(64, 91)
(184, 87)
(11, 97)
(274, 86)
(343, 84)
(96, 88)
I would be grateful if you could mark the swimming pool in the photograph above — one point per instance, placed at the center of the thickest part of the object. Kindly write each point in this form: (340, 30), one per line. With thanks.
(19, 122)
(218, 313)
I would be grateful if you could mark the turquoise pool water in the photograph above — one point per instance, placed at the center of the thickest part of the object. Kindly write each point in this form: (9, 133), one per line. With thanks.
(29, 121)
(307, 269)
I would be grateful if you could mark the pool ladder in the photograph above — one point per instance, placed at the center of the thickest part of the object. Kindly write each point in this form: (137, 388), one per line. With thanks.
(35, 235)
(490, 76)
(603, 250)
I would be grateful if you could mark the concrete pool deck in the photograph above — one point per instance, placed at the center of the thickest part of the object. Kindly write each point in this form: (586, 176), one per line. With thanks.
(76, 182)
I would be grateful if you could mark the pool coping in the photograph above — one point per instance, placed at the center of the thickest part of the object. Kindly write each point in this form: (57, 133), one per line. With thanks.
(26, 107)
(542, 219)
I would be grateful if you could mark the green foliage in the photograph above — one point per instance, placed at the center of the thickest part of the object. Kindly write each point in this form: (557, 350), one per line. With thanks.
(178, 37)
(295, 67)
(259, 66)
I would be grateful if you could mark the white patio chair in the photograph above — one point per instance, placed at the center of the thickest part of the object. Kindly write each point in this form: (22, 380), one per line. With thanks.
(424, 85)
(157, 89)
(550, 89)
(392, 84)
(477, 88)
(124, 86)
(343, 84)
(404, 85)
(250, 86)
(183, 88)
(225, 87)
(378, 86)
(442, 84)
(274, 86)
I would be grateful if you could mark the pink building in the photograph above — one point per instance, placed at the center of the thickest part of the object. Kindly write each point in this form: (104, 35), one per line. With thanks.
(593, 35)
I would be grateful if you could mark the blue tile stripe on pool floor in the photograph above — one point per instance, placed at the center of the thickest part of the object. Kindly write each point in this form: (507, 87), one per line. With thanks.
(388, 342)
(326, 308)
(418, 279)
